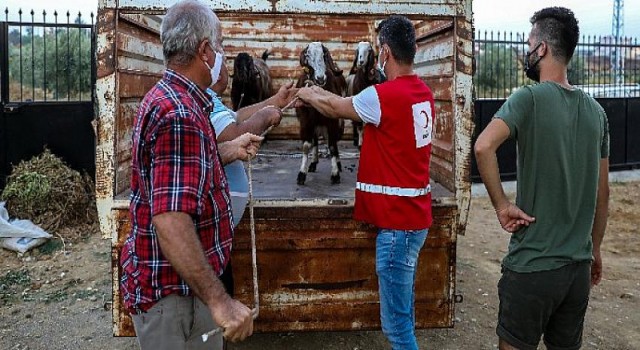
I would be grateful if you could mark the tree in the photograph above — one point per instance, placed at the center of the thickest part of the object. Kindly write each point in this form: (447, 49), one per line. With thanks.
(576, 70)
(54, 64)
(498, 70)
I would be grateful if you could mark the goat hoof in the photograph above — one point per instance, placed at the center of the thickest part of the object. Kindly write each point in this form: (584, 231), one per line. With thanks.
(312, 167)
(335, 179)
(301, 178)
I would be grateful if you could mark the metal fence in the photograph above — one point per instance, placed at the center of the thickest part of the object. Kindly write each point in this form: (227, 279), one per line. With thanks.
(51, 60)
(47, 75)
(499, 62)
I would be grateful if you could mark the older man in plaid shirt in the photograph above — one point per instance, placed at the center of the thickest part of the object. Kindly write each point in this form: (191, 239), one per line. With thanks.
(180, 205)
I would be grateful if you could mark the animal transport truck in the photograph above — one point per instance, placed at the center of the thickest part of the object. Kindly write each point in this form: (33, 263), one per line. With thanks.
(316, 265)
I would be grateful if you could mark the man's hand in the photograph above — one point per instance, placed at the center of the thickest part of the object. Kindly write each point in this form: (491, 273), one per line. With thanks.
(306, 94)
(247, 145)
(272, 113)
(234, 317)
(513, 218)
(596, 268)
(242, 147)
(285, 94)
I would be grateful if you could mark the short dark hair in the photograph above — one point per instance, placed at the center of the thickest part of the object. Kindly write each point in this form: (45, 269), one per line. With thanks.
(398, 32)
(558, 27)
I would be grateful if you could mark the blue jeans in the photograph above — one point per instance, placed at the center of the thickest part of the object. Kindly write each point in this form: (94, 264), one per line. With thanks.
(396, 263)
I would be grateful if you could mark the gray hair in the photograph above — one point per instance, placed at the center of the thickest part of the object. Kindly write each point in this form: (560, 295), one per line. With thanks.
(184, 27)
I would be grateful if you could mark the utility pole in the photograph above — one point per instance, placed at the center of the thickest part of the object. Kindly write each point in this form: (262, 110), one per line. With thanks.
(617, 52)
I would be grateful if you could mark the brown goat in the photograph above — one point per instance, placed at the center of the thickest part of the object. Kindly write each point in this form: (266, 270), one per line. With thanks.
(362, 75)
(321, 70)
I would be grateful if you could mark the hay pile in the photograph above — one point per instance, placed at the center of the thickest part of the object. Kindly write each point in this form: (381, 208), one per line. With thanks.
(52, 195)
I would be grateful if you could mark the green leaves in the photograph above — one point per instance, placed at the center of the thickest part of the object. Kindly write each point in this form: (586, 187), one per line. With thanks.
(50, 63)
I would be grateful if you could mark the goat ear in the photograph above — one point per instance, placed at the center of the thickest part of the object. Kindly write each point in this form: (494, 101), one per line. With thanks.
(355, 63)
(371, 58)
(265, 54)
(303, 57)
(331, 65)
(372, 74)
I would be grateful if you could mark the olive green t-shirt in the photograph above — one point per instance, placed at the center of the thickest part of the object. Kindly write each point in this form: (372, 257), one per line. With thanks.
(561, 136)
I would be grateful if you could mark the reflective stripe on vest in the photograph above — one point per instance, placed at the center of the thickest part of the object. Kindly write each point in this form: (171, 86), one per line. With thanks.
(393, 191)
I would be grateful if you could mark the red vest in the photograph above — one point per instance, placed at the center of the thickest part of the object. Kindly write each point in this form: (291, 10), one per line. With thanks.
(393, 177)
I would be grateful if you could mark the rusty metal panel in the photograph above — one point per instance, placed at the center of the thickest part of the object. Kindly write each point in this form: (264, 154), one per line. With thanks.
(285, 37)
(385, 7)
(122, 323)
(464, 120)
(104, 4)
(435, 63)
(139, 67)
(104, 124)
(303, 289)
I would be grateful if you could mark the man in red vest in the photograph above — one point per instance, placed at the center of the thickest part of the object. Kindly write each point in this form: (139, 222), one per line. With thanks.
(392, 191)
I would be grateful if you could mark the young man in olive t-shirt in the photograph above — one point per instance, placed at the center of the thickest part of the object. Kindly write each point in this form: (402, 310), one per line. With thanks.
(560, 214)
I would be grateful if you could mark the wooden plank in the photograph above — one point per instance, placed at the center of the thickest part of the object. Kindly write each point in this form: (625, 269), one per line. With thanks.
(441, 87)
(381, 7)
(135, 84)
(306, 277)
(463, 118)
(139, 46)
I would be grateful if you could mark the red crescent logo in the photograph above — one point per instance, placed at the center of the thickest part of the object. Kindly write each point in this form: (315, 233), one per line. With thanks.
(426, 118)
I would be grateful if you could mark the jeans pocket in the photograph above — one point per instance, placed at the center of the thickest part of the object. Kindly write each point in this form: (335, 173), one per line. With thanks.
(385, 249)
(414, 240)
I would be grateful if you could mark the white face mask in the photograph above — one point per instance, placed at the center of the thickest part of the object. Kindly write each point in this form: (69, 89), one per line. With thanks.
(217, 66)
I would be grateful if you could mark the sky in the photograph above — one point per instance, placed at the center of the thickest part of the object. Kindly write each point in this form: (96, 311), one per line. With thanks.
(595, 16)
(62, 6)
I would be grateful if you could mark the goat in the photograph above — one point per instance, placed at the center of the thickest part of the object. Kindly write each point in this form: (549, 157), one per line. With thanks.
(251, 80)
(321, 70)
(362, 75)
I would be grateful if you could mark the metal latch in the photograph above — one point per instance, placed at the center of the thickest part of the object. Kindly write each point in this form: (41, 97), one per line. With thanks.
(338, 202)
(11, 108)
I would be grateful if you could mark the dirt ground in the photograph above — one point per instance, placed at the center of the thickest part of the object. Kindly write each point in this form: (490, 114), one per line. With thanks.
(55, 299)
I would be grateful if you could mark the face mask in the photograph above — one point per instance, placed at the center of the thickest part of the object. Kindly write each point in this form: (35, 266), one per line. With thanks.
(217, 66)
(531, 69)
(381, 67)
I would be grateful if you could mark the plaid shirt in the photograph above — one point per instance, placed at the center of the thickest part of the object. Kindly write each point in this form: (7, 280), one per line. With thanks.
(175, 168)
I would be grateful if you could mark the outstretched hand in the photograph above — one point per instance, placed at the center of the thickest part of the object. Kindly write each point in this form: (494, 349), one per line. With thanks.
(513, 218)
(305, 95)
(285, 95)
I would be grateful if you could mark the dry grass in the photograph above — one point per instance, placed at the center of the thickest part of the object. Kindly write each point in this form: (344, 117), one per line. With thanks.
(52, 195)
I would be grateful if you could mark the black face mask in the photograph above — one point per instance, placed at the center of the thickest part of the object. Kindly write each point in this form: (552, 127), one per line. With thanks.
(531, 69)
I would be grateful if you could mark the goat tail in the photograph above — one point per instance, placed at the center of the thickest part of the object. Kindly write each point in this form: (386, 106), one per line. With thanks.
(266, 54)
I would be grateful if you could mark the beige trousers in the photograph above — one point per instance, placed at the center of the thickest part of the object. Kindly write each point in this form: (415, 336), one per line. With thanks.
(176, 323)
